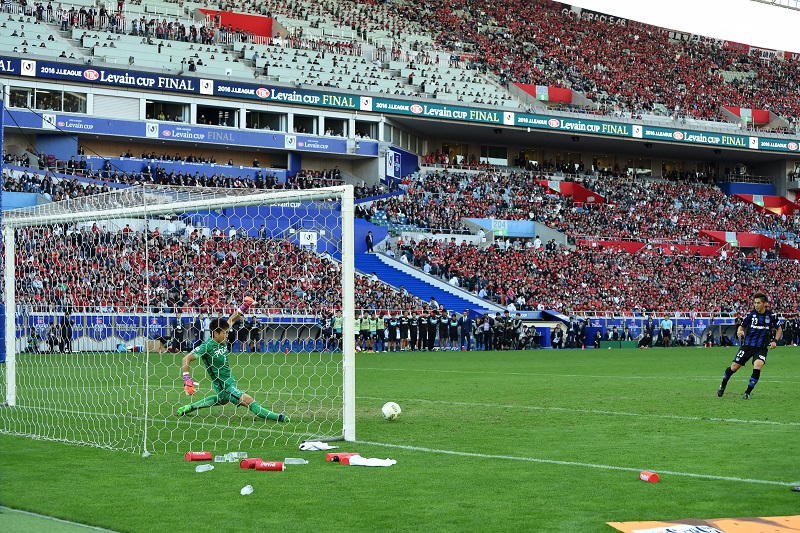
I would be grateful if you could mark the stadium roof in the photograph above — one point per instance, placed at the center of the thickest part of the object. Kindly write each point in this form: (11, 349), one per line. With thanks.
(761, 23)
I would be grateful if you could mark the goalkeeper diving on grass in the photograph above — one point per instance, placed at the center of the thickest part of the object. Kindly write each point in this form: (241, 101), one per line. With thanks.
(213, 353)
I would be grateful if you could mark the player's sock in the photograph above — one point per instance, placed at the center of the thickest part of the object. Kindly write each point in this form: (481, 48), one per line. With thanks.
(205, 402)
(753, 381)
(726, 377)
(263, 412)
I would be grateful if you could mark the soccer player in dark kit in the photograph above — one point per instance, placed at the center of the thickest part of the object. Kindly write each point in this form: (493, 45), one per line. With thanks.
(759, 331)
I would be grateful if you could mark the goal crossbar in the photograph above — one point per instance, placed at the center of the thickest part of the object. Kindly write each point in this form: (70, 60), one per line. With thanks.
(156, 200)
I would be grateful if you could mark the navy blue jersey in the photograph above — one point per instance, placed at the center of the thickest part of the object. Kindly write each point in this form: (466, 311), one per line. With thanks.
(759, 328)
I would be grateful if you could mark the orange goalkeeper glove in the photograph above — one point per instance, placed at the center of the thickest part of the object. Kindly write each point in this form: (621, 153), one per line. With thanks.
(188, 384)
(248, 301)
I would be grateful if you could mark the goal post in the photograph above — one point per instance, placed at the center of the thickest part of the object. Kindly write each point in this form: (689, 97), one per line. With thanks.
(106, 294)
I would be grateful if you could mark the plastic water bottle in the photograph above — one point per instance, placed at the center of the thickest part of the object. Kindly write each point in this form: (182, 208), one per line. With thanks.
(220, 459)
(247, 489)
(294, 461)
(204, 468)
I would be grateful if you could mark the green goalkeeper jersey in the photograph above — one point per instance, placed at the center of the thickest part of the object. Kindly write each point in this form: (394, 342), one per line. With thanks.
(215, 358)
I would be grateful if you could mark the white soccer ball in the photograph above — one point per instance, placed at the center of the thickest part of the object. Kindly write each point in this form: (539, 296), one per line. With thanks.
(391, 411)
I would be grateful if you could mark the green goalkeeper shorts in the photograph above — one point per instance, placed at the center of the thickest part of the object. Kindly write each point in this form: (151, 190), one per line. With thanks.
(227, 391)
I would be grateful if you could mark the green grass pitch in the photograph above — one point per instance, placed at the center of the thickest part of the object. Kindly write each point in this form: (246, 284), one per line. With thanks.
(488, 441)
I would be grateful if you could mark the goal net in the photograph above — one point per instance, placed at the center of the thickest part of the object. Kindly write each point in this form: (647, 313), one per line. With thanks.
(107, 293)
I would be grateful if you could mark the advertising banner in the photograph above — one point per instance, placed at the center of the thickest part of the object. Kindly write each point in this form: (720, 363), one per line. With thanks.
(573, 125)
(188, 132)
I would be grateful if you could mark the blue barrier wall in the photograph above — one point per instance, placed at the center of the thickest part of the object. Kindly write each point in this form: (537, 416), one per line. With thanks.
(136, 164)
(15, 200)
(60, 145)
(295, 163)
(767, 189)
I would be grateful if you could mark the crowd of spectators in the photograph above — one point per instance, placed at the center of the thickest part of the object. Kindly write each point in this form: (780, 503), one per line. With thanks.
(606, 280)
(99, 266)
(53, 189)
(352, 73)
(624, 69)
(56, 188)
(631, 69)
(634, 68)
(634, 208)
(303, 42)
(362, 19)
(108, 270)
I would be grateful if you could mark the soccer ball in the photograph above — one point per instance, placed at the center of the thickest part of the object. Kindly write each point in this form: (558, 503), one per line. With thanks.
(390, 411)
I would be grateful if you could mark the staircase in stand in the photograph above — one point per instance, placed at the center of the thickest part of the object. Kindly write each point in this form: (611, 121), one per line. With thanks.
(452, 298)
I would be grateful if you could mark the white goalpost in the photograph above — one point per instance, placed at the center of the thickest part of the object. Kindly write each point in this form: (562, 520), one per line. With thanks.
(105, 294)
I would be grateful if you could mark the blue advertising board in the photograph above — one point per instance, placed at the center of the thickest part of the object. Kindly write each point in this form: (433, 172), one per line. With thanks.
(188, 132)
(400, 163)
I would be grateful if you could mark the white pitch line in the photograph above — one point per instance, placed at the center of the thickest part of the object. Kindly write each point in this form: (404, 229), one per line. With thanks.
(573, 463)
(472, 404)
(790, 379)
(598, 412)
(54, 519)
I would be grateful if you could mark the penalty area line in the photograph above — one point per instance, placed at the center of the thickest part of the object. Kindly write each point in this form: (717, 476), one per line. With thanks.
(54, 519)
(572, 463)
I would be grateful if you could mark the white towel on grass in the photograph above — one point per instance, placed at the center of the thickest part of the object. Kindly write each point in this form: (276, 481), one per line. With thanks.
(357, 460)
(316, 445)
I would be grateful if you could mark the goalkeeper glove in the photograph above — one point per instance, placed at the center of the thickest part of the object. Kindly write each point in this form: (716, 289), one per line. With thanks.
(248, 301)
(188, 384)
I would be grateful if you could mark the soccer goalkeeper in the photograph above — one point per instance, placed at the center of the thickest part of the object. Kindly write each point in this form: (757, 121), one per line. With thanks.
(213, 353)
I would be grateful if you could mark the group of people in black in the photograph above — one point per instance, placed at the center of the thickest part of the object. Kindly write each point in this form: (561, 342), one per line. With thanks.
(414, 331)
(574, 336)
(791, 331)
(440, 330)
(245, 335)
(48, 338)
(504, 332)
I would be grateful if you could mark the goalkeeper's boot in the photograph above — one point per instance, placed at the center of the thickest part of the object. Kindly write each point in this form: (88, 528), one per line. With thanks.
(283, 418)
(185, 410)
(746, 396)
(720, 391)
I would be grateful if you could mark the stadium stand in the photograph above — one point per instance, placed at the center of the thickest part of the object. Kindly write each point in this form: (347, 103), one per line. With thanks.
(606, 279)
(89, 268)
(635, 208)
(394, 49)
(399, 49)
